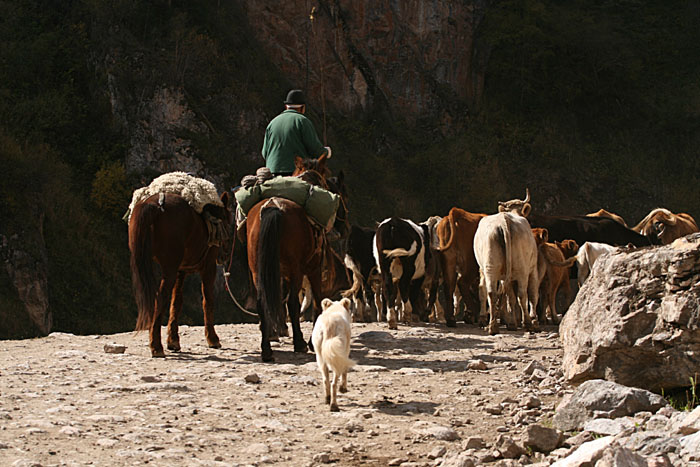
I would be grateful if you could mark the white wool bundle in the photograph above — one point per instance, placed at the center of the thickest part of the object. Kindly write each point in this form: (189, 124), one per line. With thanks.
(196, 191)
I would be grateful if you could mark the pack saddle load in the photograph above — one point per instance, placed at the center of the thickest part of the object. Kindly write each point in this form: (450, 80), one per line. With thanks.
(320, 205)
(198, 193)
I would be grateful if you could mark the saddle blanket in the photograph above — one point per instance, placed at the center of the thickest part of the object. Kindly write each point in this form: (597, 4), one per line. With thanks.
(197, 191)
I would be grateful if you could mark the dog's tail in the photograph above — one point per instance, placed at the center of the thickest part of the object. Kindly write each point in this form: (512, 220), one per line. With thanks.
(335, 354)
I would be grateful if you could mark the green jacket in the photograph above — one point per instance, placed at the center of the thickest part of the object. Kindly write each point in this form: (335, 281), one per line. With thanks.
(289, 134)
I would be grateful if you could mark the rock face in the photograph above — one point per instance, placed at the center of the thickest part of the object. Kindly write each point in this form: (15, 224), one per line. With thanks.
(410, 57)
(28, 273)
(636, 321)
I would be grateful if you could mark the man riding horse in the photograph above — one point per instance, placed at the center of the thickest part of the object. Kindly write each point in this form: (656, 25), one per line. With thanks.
(291, 134)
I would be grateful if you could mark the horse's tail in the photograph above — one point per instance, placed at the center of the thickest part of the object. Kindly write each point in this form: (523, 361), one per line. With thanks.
(269, 275)
(143, 277)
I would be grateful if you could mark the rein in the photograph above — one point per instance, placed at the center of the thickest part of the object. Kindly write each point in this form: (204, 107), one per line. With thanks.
(227, 273)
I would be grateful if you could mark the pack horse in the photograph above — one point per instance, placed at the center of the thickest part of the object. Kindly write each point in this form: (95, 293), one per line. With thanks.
(180, 222)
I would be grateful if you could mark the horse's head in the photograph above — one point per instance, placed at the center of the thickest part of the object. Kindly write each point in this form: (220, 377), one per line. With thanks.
(312, 165)
(227, 219)
(342, 220)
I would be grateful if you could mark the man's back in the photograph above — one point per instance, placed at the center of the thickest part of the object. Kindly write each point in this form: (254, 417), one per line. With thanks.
(288, 135)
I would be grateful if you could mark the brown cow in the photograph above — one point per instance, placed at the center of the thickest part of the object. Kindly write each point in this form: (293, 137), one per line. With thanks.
(609, 215)
(456, 252)
(665, 226)
(552, 272)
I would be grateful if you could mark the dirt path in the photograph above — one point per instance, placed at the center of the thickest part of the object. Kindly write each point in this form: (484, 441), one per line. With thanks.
(64, 400)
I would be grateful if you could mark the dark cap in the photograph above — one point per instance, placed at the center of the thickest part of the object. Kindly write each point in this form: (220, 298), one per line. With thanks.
(295, 97)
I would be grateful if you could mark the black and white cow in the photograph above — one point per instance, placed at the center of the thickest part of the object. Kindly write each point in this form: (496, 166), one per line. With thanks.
(360, 260)
(401, 252)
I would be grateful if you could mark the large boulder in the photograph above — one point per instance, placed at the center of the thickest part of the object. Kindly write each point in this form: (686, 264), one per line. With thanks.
(600, 398)
(636, 320)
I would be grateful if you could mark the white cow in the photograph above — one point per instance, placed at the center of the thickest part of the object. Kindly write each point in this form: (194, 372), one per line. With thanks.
(587, 256)
(506, 251)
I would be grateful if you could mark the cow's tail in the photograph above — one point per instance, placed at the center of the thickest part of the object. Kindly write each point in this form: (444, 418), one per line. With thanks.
(357, 279)
(567, 263)
(508, 245)
(451, 225)
(269, 275)
(334, 354)
(396, 252)
(143, 277)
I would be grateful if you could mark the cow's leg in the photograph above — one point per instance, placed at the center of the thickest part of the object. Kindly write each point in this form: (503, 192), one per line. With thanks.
(208, 304)
(483, 293)
(449, 274)
(389, 294)
(315, 283)
(510, 310)
(175, 308)
(492, 299)
(380, 305)
(552, 305)
(527, 300)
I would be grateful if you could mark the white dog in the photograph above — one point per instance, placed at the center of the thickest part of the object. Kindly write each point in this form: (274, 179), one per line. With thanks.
(331, 339)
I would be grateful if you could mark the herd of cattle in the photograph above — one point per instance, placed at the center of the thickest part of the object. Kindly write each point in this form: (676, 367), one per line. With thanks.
(498, 266)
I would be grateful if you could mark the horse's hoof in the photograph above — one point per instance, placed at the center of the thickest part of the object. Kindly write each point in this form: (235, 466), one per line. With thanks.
(157, 353)
(343, 390)
(174, 346)
(334, 408)
(274, 338)
(267, 357)
(451, 323)
(301, 348)
(493, 330)
(212, 345)
(511, 327)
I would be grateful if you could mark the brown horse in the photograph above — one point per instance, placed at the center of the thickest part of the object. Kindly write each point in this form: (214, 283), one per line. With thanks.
(283, 245)
(173, 234)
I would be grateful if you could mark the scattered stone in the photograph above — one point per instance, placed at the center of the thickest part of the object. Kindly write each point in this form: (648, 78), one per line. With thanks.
(324, 458)
(436, 431)
(607, 426)
(689, 424)
(252, 378)
(532, 366)
(397, 461)
(458, 460)
(587, 454)
(473, 442)
(437, 452)
(508, 448)
(690, 447)
(476, 365)
(541, 438)
(114, 348)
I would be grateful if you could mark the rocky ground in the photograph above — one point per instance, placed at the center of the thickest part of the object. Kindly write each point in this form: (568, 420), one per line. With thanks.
(417, 396)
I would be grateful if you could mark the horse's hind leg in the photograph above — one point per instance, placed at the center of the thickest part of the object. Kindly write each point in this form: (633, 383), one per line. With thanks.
(175, 308)
(208, 303)
(266, 348)
(294, 309)
(163, 299)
